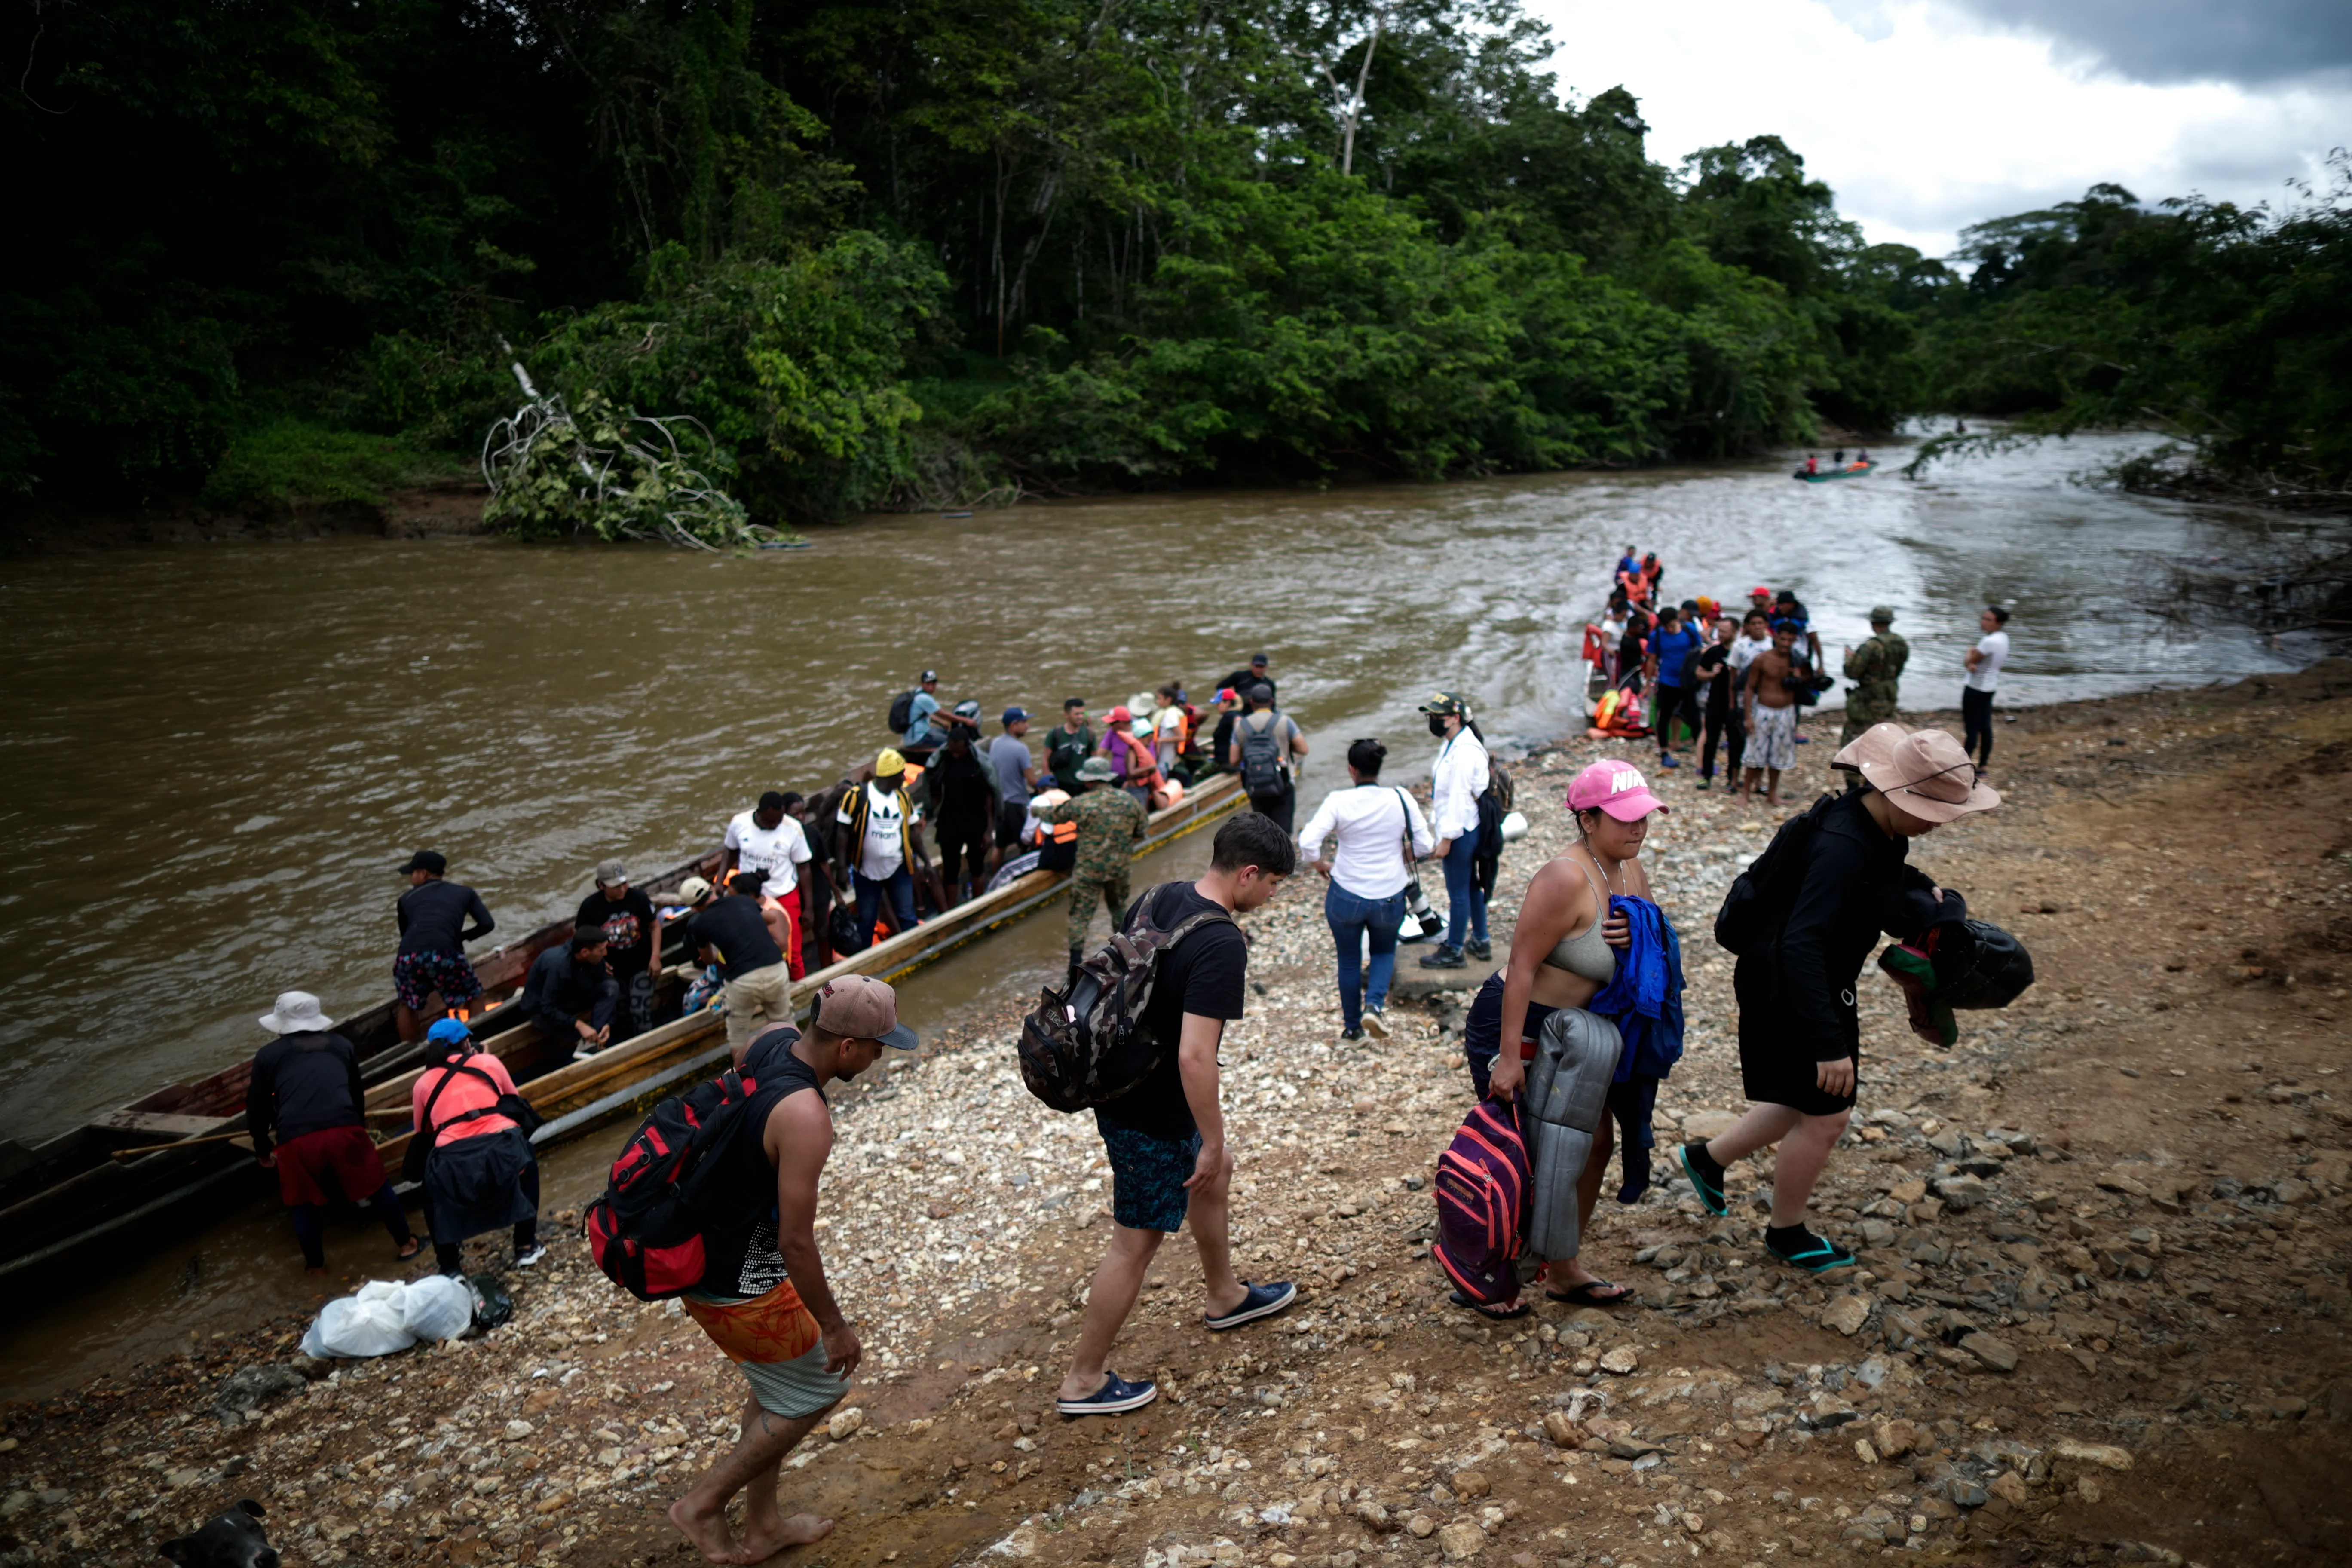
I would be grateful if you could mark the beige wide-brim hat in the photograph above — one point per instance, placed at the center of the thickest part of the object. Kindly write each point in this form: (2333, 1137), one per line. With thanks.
(1925, 772)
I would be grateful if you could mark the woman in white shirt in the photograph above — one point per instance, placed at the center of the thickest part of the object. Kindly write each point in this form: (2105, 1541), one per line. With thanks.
(1373, 828)
(1984, 662)
(1457, 779)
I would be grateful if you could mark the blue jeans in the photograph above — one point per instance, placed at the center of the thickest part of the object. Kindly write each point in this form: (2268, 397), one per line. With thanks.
(1464, 902)
(901, 886)
(1349, 918)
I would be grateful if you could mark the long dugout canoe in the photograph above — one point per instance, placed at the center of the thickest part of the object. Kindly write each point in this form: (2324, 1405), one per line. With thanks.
(101, 1198)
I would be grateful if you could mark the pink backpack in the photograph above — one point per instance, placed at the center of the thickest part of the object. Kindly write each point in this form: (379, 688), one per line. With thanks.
(1481, 1202)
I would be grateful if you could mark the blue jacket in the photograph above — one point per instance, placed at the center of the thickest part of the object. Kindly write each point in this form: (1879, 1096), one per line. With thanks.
(1644, 997)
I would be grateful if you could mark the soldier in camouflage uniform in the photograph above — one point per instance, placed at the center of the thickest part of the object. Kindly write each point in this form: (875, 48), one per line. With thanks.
(1110, 821)
(1876, 667)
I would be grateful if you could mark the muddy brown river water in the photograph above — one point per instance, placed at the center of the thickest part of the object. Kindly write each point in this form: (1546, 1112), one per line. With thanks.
(219, 755)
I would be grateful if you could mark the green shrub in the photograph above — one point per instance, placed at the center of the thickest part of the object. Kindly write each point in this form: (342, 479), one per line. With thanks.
(291, 461)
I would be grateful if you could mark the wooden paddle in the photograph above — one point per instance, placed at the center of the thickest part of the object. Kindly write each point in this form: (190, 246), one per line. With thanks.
(179, 1143)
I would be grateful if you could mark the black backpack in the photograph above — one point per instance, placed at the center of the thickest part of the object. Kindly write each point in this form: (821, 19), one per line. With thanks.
(1086, 1045)
(646, 1232)
(1757, 904)
(902, 712)
(1262, 751)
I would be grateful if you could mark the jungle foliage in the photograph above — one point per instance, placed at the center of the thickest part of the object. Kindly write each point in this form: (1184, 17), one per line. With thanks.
(2229, 329)
(895, 253)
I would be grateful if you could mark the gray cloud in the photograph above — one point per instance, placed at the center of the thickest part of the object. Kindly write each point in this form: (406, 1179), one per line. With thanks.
(2249, 41)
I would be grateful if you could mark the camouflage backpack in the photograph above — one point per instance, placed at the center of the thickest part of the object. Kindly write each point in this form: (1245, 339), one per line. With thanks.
(1087, 1045)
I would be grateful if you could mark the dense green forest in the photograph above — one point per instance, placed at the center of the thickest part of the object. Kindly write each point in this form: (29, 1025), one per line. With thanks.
(910, 253)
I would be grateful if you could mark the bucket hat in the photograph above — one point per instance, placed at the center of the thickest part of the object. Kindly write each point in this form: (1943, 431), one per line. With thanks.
(1925, 772)
(1097, 769)
(297, 1012)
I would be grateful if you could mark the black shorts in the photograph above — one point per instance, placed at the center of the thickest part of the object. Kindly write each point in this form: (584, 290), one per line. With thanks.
(963, 847)
(1776, 1069)
(1009, 818)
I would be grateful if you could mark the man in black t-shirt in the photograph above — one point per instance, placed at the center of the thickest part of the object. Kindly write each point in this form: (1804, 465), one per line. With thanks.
(731, 929)
(437, 918)
(962, 794)
(1257, 673)
(627, 917)
(1166, 1137)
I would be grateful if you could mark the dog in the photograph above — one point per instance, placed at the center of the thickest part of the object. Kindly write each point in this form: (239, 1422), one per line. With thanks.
(234, 1539)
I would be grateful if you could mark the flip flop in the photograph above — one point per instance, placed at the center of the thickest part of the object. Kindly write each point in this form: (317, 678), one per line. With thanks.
(1585, 1295)
(1499, 1314)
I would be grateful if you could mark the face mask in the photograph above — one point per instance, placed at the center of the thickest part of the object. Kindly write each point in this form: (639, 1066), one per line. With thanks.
(1437, 725)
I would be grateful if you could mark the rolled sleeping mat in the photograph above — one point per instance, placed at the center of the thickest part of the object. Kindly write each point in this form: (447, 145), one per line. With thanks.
(1515, 827)
(1567, 1095)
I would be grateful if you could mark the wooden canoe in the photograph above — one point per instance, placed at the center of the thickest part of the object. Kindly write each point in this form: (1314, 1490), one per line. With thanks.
(58, 1189)
(93, 1200)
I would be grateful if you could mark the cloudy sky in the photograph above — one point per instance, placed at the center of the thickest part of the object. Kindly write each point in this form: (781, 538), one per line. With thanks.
(1926, 115)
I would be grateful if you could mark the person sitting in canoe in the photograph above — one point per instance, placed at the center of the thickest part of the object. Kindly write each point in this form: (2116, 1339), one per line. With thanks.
(1812, 464)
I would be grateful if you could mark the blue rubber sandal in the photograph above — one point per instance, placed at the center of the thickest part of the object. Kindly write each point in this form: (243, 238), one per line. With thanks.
(1263, 1301)
(1117, 1396)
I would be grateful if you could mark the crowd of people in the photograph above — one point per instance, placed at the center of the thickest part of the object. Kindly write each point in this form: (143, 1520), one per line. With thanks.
(1737, 683)
(802, 879)
(1575, 1031)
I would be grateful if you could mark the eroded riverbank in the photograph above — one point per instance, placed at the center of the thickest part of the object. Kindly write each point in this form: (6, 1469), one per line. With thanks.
(2101, 1313)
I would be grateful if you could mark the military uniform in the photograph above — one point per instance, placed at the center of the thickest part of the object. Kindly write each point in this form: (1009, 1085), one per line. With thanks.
(1875, 667)
(1110, 821)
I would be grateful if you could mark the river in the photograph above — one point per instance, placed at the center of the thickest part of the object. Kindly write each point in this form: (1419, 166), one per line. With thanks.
(219, 755)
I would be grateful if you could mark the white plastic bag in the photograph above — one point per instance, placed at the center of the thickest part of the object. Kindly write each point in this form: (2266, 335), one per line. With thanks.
(368, 1324)
(437, 1308)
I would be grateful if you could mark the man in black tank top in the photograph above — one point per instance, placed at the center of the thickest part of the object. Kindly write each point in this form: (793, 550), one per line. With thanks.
(764, 1298)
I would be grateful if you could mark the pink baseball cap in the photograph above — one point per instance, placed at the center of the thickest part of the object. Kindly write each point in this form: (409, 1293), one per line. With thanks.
(1617, 788)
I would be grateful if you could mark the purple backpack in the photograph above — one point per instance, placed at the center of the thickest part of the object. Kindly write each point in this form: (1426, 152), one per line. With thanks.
(1482, 1204)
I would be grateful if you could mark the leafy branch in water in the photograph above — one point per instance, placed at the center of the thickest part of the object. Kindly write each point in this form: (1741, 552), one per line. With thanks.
(608, 473)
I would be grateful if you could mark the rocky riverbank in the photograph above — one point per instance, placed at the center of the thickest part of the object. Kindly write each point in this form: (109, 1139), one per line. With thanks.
(2100, 1312)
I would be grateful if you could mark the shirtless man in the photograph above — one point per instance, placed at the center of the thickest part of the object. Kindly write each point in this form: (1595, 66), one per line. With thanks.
(765, 1299)
(1770, 716)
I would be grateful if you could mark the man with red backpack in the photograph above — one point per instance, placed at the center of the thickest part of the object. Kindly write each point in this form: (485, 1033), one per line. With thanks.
(763, 1298)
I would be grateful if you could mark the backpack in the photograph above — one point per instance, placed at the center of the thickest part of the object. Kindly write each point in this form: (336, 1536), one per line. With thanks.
(646, 1232)
(1086, 1045)
(1494, 805)
(1261, 754)
(1482, 1187)
(902, 712)
(1759, 900)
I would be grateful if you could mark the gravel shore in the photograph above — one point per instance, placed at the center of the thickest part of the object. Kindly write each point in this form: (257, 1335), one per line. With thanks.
(2100, 1315)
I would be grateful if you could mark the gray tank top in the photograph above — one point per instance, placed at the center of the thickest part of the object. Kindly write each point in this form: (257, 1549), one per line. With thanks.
(1587, 954)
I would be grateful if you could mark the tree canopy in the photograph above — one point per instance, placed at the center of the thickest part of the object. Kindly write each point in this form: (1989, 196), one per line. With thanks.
(903, 252)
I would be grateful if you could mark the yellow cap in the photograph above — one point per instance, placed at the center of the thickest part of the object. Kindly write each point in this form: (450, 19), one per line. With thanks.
(888, 763)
